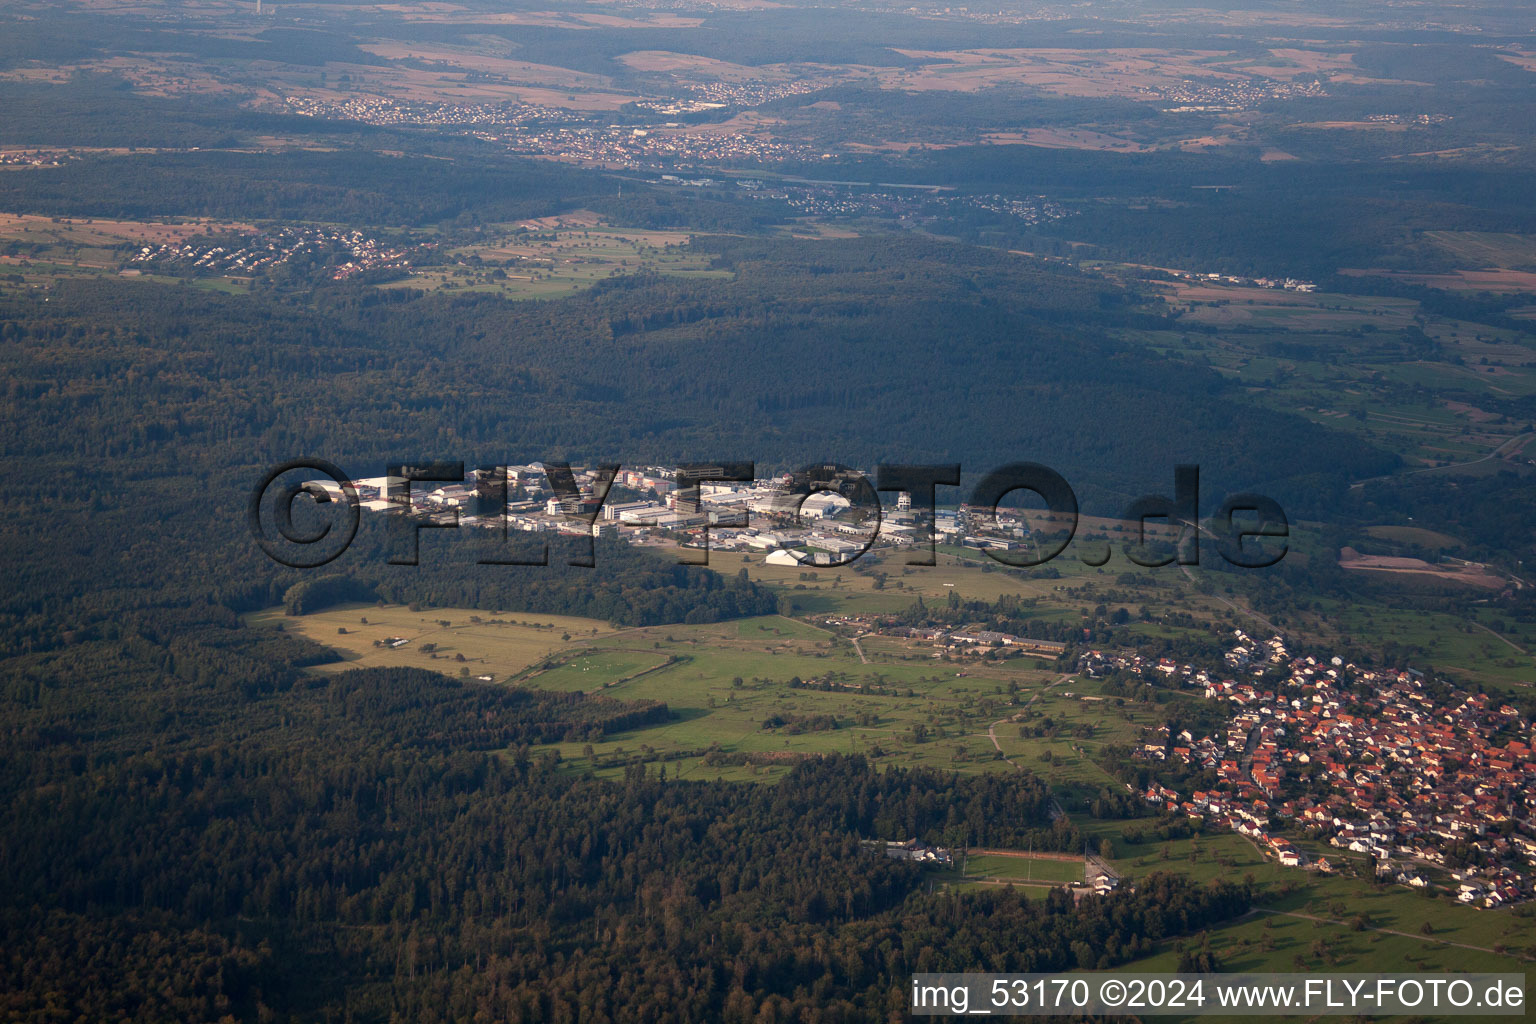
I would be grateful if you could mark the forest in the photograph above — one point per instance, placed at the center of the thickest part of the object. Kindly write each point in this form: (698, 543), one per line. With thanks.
(140, 415)
(357, 825)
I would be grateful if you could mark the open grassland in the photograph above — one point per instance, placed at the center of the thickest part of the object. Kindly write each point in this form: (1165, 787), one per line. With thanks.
(1488, 248)
(1430, 540)
(1453, 644)
(731, 687)
(496, 644)
(1337, 897)
(1264, 943)
(689, 66)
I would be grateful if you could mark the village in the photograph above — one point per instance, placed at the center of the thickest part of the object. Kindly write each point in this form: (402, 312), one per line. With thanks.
(534, 130)
(268, 250)
(654, 147)
(1206, 96)
(1434, 784)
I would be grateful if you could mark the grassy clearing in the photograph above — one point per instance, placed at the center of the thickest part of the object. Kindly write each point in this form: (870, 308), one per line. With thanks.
(1272, 943)
(500, 645)
(540, 262)
(1487, 248)
(1430, 540)
(594, 669)
(1226, 855)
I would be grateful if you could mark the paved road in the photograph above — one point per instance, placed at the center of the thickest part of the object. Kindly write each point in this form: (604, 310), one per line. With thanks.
(1496, 453)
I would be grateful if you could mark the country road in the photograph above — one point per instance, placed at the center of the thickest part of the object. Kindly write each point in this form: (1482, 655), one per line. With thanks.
(859, 650)
(1500, 450)
(1249, 612)
(1506, 639)
(1386, 931)
(992, 729)
(1274, 629)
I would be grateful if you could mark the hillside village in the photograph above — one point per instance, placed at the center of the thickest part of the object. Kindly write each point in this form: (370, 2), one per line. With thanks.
(1435, 784)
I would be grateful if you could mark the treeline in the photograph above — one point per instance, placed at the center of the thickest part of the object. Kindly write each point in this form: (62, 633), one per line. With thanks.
(418, 708)
(625, 586)
(350, 186)
(1012, 809)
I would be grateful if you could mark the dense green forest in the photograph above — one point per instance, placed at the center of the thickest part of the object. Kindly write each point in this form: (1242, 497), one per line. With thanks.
(618, 372)
(350, 187)
(356, 826)
(139, 416)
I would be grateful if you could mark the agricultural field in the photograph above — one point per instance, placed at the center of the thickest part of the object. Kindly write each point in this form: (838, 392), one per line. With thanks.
(1137, 72)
